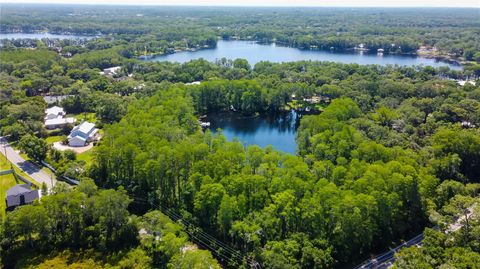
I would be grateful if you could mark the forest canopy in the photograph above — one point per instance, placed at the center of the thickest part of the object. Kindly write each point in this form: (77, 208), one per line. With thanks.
(388, 152)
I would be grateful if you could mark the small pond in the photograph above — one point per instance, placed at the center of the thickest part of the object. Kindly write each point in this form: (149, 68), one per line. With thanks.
(278, 130)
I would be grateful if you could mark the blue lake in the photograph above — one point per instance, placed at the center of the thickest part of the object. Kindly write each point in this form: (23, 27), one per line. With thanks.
(254, 53)
(277, 130)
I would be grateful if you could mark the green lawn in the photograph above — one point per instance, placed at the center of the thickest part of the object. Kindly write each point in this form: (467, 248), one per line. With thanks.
(90, 117)
(52, 139)
(86, 156)
(6, 182)
(4, 164)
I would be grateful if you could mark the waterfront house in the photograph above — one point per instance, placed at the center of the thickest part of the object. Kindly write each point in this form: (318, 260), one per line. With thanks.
(111, 71)
(21, 194)
(82, 134)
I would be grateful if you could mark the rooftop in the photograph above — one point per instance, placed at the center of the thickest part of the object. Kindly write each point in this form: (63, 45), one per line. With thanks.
(55, 98)
(58, 121)
(54, 110)
(18, 189)
(112, 69)
(84, 127)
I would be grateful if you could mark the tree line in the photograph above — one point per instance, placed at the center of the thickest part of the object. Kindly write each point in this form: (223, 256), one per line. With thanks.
(454, 33)
(367, 173)
(392, 148)
(92, 228)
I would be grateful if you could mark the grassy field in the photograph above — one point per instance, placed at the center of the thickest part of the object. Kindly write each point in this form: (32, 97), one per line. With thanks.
(90, 117)
(52, 139)
(6, 182)
(61, 260)
(4, 164)
(85, 156)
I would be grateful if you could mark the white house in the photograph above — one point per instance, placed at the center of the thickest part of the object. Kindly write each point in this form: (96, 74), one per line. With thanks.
(54, 112)
(58, 122)
(54, 118)
(463, 82)
(193, 83)
(52, 99)
(110, 71)
(83, 133)
(21, 195)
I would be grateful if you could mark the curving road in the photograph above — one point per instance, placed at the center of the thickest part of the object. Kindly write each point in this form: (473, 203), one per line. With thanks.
(28, 167)
(386, 259)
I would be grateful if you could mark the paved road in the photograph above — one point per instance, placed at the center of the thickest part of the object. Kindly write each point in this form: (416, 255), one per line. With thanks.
(386, 259)
(28, 167)
(459, 222)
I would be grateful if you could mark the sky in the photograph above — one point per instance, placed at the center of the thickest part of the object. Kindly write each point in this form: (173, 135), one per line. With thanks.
(335, 3)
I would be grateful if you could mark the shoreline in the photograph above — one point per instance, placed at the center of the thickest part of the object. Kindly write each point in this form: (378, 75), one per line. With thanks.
(439, 57)
(436, 56)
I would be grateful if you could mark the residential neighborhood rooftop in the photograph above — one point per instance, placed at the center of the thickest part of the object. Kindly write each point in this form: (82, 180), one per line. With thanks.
(59, 121)
(85, 127)
(18, 190)
(54, 110)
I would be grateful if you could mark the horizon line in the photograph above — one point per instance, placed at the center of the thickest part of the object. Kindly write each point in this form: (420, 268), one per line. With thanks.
(245, 6)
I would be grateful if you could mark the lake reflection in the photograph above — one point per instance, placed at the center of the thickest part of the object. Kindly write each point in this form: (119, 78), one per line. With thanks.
(254, 53)
(278, 130)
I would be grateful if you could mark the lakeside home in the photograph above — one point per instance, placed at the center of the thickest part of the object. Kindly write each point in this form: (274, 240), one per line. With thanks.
(111, 71)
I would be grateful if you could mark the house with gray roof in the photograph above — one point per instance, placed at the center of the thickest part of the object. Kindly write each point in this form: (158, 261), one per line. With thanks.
(82, 134)
(21, 194)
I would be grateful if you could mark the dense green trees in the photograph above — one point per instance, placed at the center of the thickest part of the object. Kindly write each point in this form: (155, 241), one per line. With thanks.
(455, 244)
(365, 175)
(85, 218)
(143, 31)
(243, 95)
(387, 156)
(35, 148)
(461, 145)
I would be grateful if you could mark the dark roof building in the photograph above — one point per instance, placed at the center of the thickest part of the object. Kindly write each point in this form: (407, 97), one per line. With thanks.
(21, 194)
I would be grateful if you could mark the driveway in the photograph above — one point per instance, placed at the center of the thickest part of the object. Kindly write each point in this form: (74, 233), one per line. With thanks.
(31, 169)
(78, 150)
